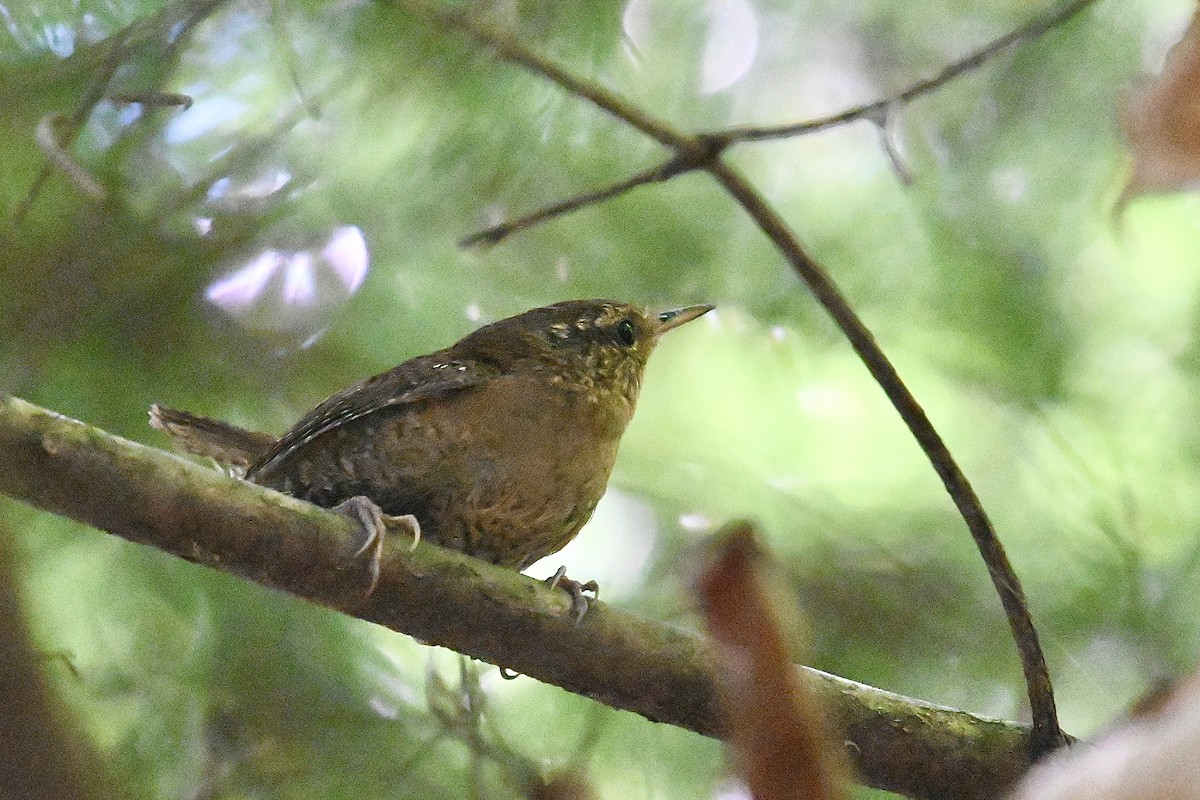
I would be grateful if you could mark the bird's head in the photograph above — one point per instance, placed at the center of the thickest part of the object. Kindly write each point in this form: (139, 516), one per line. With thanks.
(596, 347)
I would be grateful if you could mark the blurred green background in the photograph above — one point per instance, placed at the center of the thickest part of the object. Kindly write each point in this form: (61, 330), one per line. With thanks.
(295, 228)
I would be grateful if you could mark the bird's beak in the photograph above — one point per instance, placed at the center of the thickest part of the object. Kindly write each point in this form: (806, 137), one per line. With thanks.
(673, 319)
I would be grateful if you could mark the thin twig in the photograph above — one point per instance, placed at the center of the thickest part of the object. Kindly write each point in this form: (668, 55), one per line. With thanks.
(887, 142)
(495, 234)
(184, 101)
(1025, 33)
(47, 138)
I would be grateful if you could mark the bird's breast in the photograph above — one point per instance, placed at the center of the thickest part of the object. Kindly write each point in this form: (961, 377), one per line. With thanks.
(529, 467)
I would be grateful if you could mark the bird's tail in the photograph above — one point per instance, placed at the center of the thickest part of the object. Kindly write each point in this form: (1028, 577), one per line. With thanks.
(203, 436)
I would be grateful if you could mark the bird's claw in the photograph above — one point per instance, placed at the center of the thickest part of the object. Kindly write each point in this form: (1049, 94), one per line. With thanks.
(575, 589)
(364, 511)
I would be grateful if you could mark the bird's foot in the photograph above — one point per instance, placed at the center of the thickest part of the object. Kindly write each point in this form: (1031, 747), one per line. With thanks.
(364, 511)
(579, 601)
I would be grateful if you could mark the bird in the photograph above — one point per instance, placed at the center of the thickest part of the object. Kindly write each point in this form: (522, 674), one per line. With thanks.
(499, 446)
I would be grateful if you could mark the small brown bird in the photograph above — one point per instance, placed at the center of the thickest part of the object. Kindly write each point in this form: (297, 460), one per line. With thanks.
(499, 446)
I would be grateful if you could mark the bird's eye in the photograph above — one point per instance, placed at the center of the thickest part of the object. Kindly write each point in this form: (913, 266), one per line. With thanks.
(626, 333)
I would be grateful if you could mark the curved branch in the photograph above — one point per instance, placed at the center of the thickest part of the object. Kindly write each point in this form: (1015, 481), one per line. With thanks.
(1047, 733)
(449, 599)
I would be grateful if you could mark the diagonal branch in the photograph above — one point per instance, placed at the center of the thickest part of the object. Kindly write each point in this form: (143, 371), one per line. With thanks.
(513, 50)
(449, 599)
(691, 154)
(881, 109)
(704, 152)
(498, 233)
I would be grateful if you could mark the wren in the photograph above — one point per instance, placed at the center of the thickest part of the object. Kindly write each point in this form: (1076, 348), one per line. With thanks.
(499, 446)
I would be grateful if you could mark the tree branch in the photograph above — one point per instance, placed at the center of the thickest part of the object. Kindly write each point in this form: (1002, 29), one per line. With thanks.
(880, 110)
(513, 50)
(449, 599)
(498, 233)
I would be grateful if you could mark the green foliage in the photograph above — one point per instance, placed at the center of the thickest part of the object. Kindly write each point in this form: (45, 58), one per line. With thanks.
(1051, 342)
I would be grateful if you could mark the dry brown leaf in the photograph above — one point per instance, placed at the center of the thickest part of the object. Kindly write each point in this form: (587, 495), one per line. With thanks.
(1162, 122)
(774, 728)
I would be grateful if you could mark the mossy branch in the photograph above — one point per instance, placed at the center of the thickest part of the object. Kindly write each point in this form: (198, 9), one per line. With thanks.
(449, 599)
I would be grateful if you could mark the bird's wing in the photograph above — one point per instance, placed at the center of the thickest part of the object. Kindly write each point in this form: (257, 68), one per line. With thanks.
(419, 379)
